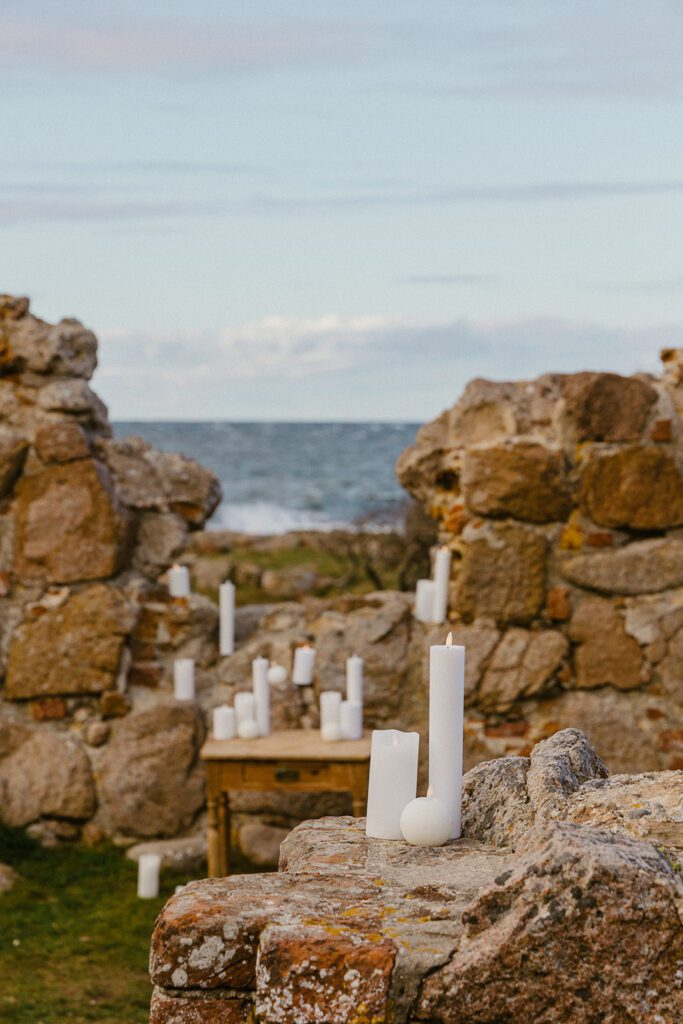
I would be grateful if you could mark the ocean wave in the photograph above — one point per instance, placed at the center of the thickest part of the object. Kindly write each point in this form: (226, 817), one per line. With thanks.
(263, 517)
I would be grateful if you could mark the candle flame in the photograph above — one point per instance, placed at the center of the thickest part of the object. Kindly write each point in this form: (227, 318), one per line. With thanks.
(306, 647)
(430, 791)
(449, 640)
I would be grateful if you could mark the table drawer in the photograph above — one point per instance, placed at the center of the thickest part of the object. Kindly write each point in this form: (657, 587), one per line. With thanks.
(281, 774)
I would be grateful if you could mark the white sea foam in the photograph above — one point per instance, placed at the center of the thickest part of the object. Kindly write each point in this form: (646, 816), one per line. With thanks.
(262, 517)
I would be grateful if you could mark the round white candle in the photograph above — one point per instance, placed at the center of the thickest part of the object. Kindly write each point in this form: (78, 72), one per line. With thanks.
(331, 732)
(446, 712)
(277, 674)
(354, 678)
(245, 707)
(224, 724)
(393, 781)
(248, 729)
(442, 579)
(424, 600)
(149, 865)
(351, 719)
(183, 679)
(304, 660)
(426, 821)
(330, 702)
(226, 596)
(179, 581)
(259, 675)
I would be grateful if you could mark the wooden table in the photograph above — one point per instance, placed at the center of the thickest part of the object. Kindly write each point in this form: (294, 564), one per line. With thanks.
(295, 760)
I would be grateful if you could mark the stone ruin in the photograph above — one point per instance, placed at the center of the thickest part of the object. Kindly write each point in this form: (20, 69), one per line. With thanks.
(562, 500)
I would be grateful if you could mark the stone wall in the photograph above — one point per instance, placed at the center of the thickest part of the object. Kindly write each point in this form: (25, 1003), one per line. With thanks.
(562, 501)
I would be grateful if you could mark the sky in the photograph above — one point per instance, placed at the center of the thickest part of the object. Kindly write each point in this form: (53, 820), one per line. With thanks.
(343, 210)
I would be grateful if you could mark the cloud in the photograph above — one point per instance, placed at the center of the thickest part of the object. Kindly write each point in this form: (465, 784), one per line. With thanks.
(38, 211)
(664, 286)
(449, 279)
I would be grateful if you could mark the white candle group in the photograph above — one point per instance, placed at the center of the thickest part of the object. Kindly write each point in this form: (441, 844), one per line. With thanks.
(226, 600)
(304, 660)
(431, 596)
(351, 719)
(393, 781)
(183, 679)
(261, 688)
(179, 581)
(424, 600)
(224, 724)
(426, 821)
(446, 715)
(149, 866)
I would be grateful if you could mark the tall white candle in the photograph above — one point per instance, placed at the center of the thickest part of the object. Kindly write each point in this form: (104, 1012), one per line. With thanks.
(304, 660)
(424, 600)
(179, 581)
(149, 865)
(442, 579)
(183, 679)
(224, 724)
(354, 678)
(351, 719)
(393, 781)
(259, 675)
(245, 707)
(446, 712)
(226, 597)
(330, 702)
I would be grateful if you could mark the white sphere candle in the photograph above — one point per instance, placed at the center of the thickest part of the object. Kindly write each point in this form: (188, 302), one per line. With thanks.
(354, 678)
(248, 729)
(245, 706)
(393, 781)
(331, 732)
(226, 598)
(351, 719)
(179, 581)
(446, 716)
(261, 687)
(304, 660)
(426, 821)
(224, 724)
(277, 674)
(442, 579)
(149, 865)
(183, 679)
(424, 600)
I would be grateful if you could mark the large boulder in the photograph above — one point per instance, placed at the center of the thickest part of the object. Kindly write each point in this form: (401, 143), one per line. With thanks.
(30, 345)
(638, 486)
(607, 407)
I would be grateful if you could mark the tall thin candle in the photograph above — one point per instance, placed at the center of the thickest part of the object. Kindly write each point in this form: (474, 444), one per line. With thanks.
(446, 713)
(227, 618)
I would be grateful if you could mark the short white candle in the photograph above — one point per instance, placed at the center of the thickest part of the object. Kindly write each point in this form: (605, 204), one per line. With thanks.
(226, 599)
(224, 724)
(277, 674)
(354, 678)
(426, 821)
(304, 660)
(442, 579)
(331, 732)
(179, 581)
(351, 719)
(393, 781)
(248, 729)
(424, 600)
(149, 865)
(330, 702)
(446, 714)
(183, 679)
(245, 707)
(261, 686)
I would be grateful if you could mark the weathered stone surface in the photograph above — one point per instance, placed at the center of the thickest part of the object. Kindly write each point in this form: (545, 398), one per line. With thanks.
(557, 768)
(160, 538)
(150, 781)
(13, 448)
(73, 647)
(643, 567)
(69, 524)
(260, 843)
(638, 486)
(524, 663)
(185, 854)
(606, 654)
(608, 407)
(291, 582)
(169, 1009)
(29, 345)
(61, 441)
(648, 806)
(520, 478)
(44, 773)
(502, 574)
(77, 399)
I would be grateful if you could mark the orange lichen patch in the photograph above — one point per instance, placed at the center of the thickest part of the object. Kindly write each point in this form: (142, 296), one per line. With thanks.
(455, 520)
(661, 431)
(557, 606)
(601, 540)
(572, 538)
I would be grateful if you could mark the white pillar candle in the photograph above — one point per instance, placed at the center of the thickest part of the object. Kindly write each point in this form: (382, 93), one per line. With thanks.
(426, 821)
(330, 702)
(224, 724)
(424, 600)
(179, 581)
(248, 729)
(183, 679)
(442, 579)
(259, 675)
(304, 660)
(245, 707)
(149, 865)
(351, 719)
(331, 733)
(393, 781)
(277, 674)
(354, 678)
(446, 713)
(226, 599)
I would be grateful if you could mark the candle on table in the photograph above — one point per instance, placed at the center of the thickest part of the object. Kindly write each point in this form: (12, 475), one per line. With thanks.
(149, 865)
(226, 597)
(248, 729)
(304, 660)
(179, 581)
(224, 724)
(261, 686)
(424, 600)
(393, 781)
(446, 712)
(442, 579)
(183, 679)
(354, 678)
(330, 702)
(426, 821)
(277, 674)
(245, 706)
(351, 719)
(331, 732)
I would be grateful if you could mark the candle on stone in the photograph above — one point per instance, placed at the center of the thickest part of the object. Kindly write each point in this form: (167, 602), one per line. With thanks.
(442, 579)
(179, 581)
(426, 821)
(149, 865)
(183, 679)
(226, 595)
(351, 719)
(446, 713)
(330, 702)
(277, 674)
(224, 724)
(424, 600)
(245, 707)
(304, 660)
(248, 729)
(393, 781)
(261, 686)
(354, 678)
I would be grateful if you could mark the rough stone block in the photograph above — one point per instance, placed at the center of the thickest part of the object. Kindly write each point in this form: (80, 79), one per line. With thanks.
(608, 407)
(502, 573)
(522, 479)
(639, 487)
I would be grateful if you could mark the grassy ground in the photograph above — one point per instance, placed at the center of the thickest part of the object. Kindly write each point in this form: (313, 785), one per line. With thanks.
(74, 937)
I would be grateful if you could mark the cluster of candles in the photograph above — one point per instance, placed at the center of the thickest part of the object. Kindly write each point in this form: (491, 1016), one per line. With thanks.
(431, 596)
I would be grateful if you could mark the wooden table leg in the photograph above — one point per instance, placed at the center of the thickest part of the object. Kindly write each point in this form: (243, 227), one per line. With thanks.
(224, 818)
(214, 839)
(360, 792)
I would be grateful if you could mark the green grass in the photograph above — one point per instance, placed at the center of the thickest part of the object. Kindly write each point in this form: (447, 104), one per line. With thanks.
(74, 937)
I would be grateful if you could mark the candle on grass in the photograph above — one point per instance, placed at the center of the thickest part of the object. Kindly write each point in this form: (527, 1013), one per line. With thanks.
(261, 687)
(442, 579)
(354, 678)
(226, 596)
(183, 679)
(149, 866)
(424, 600)
(224, 724)
(351, 719)
(179, 581)
(446, 713)
(426, 821)
(393, 781)
(304, 660)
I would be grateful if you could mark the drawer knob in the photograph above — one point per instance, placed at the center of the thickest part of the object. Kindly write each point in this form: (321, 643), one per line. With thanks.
(287, 775)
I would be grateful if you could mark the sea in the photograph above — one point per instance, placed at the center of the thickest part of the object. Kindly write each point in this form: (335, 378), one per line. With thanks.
(278, 477)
